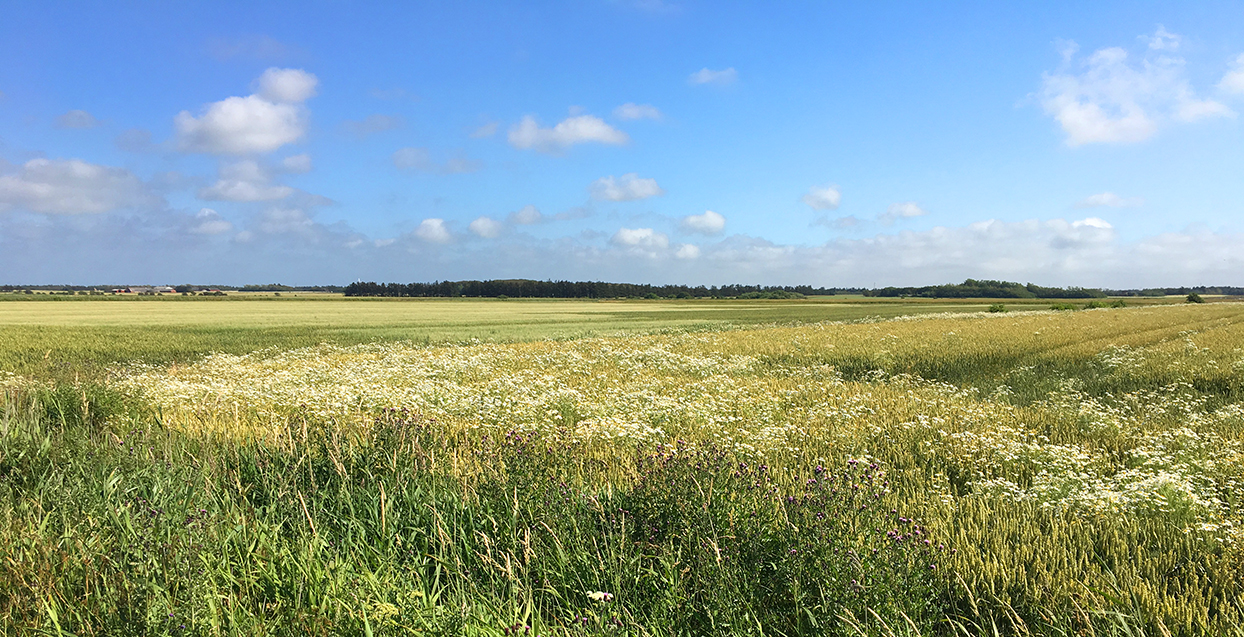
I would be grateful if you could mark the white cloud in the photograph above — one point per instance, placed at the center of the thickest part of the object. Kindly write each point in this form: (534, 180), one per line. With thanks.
(433, 231)
(709, 223)
(687, 251)
(628, 187)
(286, 85)
(372, 124)
(209, 222)
(486, 227)
(1233, 81)
(244, 180)
(1114, 101)
(631, 110)
(823, 197)
(419, 159)
(296, 164)
(1163, 40)
(1110, 200)
(640, 238)
(1092, 222)
(578, 129)
(254, 124)
(241, 126)
(487, 130)
(904, 210)
(526, 216)
(72, 187)
(709, 76)
(286, 221)
(77, 119)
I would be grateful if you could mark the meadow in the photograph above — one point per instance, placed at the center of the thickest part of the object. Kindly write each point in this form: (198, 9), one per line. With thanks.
(621, 468)
(70, 337)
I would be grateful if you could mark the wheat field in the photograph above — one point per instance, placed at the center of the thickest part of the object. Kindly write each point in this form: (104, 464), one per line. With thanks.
(1032, 472)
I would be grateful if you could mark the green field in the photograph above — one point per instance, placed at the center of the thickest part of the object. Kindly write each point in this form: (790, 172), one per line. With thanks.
(839, 466)
(74, 336)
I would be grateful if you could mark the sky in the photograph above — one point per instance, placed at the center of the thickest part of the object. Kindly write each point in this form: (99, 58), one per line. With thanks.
(648, 141)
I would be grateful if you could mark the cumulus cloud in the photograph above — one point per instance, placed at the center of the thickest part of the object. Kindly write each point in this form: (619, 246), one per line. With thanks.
(77, 119)
(527, 215)
(372, 124)
(433, 231)
(1113, 100)
(486, 227)
(719, 78)
(420, 160)
(72, 187)
(1109, 200)
(577, 129)
(254, 124)
(628, 187)
(209, 222)
(631, 110)
(709, 223)
(822, 197)
(904, 210)
(286, 85)
(1233, 81)
(640, 238)
(240, 126)
(245, 180)
(687, 251)
(296, 164)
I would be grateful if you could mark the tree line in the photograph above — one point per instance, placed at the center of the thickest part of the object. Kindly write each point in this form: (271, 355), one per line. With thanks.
(990, 289)
(525, 288)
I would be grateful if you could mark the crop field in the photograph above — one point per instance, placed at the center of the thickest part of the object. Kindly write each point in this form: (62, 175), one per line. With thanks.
(71, 337)
(331, 466)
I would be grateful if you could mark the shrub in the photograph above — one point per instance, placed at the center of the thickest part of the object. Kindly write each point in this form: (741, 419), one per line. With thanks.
(1194, 298)
(997, 307)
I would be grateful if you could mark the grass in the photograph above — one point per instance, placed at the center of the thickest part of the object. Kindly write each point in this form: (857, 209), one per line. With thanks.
(1073, 473)
(68, 337)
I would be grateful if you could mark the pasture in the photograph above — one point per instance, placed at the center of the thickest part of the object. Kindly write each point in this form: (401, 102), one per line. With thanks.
(478, 467)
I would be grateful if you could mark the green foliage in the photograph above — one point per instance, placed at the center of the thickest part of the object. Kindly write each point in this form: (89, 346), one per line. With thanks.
(1194, 298)
(997, 307)
(149, 532)
(773, 294)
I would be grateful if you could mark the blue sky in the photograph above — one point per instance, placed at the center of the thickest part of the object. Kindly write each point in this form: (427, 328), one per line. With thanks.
(647, 141)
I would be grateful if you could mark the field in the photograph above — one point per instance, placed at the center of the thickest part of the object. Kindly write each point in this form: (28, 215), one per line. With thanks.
(444, 467)
(71, 337)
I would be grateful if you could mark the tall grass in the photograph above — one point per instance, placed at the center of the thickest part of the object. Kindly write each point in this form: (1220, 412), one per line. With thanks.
(1072, 473)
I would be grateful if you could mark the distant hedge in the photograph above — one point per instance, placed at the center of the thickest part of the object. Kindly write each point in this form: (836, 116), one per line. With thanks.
(988, 289)
(524, 288)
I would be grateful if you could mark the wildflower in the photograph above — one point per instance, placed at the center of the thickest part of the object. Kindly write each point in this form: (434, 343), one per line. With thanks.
(600, 596)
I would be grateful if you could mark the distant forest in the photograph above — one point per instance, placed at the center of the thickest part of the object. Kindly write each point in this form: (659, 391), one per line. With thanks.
(973, 288)
(525, 288)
